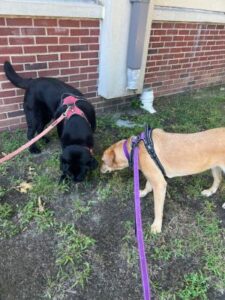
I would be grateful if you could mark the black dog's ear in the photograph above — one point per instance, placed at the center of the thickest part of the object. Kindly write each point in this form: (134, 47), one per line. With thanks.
(93, 163)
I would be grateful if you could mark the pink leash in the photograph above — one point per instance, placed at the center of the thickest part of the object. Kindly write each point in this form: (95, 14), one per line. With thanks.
(35, 139)
(72, 109)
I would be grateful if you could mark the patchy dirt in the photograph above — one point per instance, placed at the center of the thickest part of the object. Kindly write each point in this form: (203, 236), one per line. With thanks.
(26, 262)
(101, 208)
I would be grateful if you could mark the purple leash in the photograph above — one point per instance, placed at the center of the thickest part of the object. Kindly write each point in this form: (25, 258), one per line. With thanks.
(138, 221)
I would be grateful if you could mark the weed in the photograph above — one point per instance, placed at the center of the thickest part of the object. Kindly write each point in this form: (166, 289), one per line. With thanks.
(7, 227)
(5, 211)
(44, 219)
(73, 270)
(80, 208)
(195, 286)
(2, 192)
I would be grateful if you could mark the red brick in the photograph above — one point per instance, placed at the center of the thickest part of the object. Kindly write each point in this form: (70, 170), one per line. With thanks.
(79, 32)
(32, 31)
(92, 89)
(36, 66)
(69, 56)
(2, 21)
(78, 77)
(46, 40)
(2, 116)
(69, 23)
(89, 55)
(89, 40)
(35, 49)
(180, 25)
(7, 122)
(15, 113)
(3, 41)
(90, 23)
(59, 31)
(59, 64)
(77, 63)
(7, 108)
(170, 44)
(168, 25)
(158, 32)
(93, 76)
(192, 25)
(11, 50)
(69, 40)
(19, 22)
(157, 45)
(48, 73)
(88, 69)
(23, 59)
(94, 32)
(6, 86)
(172, 31)
(69, 71)
(58, 48)
(165, 38)
(79, 48)
(178, 38)
(9, 31)
(163, 50)
(93, 62)
(13, 100)
(21, 41)
(156, 25)
(45, 22)
(93, 47)
(155, 38)
(88, 83)
(47, 57)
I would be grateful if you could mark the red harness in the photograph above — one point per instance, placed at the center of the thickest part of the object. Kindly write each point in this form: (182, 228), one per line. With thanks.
(73, 109)
(70, 102)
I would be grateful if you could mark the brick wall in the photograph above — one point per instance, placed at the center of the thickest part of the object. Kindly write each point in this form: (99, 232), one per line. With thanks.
(67, 49)
(183, 56)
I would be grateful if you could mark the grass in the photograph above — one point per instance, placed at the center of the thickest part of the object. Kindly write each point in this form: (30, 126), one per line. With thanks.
(92, 225)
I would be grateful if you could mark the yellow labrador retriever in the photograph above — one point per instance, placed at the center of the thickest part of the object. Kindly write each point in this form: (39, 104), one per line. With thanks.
(179, 154)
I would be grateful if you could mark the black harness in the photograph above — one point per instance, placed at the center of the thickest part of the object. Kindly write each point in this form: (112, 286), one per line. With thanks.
(146, 137)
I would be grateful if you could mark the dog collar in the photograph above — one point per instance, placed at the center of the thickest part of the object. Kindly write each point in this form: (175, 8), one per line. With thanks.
(146, 137)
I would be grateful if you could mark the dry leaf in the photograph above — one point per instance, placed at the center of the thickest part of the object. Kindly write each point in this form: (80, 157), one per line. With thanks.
(40, 205)
(24, 187)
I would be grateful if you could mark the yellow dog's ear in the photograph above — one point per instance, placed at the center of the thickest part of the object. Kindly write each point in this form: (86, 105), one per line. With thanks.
(109, 157)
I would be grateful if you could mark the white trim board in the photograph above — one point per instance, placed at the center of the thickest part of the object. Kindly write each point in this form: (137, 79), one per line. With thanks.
(215, 5)
(163, 13)
(51, 9)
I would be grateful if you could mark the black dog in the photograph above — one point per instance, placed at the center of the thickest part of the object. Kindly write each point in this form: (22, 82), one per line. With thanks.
(43, 101)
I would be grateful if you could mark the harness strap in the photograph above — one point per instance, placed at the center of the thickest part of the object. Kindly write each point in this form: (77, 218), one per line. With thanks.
(146, 137)
(149, 145)
(71, 101)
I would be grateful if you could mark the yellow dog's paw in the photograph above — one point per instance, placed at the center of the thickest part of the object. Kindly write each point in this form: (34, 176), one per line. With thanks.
(208, 192)
(142, 193)
(156, 228)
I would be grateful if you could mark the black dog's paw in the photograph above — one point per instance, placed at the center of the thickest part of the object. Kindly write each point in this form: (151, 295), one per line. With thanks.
(63, 179)
(46, 139)
(34, 150)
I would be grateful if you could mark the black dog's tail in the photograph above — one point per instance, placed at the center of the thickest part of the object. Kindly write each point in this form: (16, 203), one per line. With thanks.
(18, 81)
